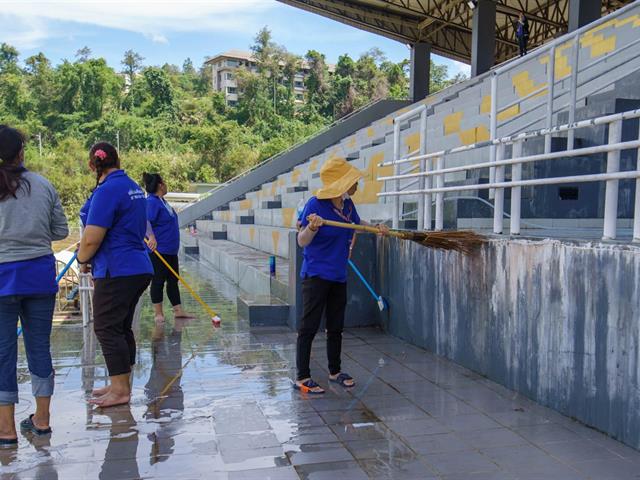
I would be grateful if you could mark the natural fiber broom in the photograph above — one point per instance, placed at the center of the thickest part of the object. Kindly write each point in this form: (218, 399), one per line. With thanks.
(463, 241)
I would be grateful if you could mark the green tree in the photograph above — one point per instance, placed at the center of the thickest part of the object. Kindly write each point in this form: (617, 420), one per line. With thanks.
(187, 67)
(132, 63)
(8, 59)
(83, 54)
(161, 92)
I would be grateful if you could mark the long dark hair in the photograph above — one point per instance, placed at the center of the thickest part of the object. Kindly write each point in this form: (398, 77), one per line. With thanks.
(11, 179)
(151, 181)
(103, 155)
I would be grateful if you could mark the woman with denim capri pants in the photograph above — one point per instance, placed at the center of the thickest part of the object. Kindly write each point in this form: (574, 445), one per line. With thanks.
(30, 218)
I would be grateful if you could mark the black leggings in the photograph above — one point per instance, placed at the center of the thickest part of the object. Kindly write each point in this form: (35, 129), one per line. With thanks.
(114, 305)
(161, 275)
(320, 296)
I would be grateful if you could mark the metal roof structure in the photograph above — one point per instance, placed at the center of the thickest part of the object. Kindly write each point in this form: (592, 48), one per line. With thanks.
(446, 24)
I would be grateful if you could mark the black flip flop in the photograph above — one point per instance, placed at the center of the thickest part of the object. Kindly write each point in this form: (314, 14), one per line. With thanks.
(307, 387)
(8, 442)
(341, 378)
(28, 425)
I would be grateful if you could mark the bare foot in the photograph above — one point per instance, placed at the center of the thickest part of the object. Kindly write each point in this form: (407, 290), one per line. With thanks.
(179, 313)
(111, 399)
(99, 392)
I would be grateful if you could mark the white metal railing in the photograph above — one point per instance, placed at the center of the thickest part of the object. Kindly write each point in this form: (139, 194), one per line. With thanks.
(572, 38)
(515, 161)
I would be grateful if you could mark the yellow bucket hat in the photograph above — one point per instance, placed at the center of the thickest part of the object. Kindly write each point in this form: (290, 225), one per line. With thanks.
(337, 176)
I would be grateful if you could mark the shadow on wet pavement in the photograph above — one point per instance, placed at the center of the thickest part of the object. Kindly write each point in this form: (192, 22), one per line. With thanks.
(232, 414)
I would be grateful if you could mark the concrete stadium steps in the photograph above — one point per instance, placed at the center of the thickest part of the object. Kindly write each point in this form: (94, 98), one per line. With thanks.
(247, 267)
(268, 239)
(189, 243)
(458, 115)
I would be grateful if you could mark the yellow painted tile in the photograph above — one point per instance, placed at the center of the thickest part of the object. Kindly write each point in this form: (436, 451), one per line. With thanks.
(603, 47)
(313, 166)
(467, 137)
(388, 121)
(287, 217)
(352, 142)
(252, 233)
(509, 112)
(275, 236)
(281, 182)
(370, 132)
(273, 189)
(562, 67)
(371, 188)
(295, 176)
(482, 133)
(451, 123)
(246, 204)
(485, 104)
(600, 27)
(412, 142)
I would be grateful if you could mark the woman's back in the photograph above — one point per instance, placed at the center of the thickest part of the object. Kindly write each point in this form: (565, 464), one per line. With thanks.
(31, 220)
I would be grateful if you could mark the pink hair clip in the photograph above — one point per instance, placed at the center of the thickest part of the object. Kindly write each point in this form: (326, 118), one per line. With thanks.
(101, 154)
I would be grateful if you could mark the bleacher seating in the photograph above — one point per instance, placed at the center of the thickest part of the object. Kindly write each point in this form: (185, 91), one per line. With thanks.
(239, 240)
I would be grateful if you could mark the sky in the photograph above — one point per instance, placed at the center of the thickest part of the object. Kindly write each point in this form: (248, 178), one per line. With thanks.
(170, 31)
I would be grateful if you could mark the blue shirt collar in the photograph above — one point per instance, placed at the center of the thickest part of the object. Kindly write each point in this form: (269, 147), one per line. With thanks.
(114, 174)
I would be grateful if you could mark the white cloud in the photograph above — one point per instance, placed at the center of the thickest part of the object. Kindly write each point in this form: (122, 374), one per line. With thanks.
(152, 18)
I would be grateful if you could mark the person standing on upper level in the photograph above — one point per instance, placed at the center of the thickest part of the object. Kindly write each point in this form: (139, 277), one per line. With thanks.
(31, 217)
(113, 241)
(522, 34)
(164, 223)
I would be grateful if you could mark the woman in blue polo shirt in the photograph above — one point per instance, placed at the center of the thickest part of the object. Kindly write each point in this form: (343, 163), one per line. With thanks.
(164, 223)
(324, 269)
(30, 218)
(113, 241)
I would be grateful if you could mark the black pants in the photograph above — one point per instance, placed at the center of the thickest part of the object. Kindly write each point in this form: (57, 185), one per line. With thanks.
(320, 296)
(162, 274)
(522, 44)
(114, 304)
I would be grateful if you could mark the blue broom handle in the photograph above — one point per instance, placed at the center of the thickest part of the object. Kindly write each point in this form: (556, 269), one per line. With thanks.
(66, 267)
(364, 280)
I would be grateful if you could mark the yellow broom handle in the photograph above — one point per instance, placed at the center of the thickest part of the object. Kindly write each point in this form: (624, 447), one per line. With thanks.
(193, 292)
(351, 226)
(361, 228)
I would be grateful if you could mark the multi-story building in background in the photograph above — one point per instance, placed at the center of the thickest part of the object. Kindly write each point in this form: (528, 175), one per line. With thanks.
(224, 66)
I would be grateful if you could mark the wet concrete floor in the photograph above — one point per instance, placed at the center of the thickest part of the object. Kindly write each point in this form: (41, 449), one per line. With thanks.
(232, 413)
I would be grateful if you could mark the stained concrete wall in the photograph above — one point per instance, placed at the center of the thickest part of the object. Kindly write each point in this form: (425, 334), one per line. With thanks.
(556, 321)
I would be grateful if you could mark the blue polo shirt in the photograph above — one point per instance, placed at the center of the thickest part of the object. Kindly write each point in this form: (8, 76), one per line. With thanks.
(118, 204)
(327, 255)
(36, 276)
(164, 222)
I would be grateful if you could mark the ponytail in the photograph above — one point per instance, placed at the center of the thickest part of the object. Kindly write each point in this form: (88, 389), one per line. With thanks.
(11, 179)
(103, 156)
(151, 181)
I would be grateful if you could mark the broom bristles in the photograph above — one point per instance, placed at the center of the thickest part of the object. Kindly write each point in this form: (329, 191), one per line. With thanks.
(463, 241)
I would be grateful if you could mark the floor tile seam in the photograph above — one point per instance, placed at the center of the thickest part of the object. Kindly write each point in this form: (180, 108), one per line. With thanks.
(566, 462)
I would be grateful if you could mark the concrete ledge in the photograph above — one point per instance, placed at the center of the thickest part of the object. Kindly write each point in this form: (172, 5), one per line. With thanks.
(263, 312)
(246, 267)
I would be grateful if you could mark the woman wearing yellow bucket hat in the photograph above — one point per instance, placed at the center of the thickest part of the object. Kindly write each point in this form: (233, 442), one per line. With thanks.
(324, 269)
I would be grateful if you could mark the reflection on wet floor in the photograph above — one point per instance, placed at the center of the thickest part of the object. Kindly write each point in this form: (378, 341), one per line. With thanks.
(232, 414)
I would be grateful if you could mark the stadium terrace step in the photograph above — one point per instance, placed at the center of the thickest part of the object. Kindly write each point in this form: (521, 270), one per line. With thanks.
(271, 240)
(263, 311)
(246, 267)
